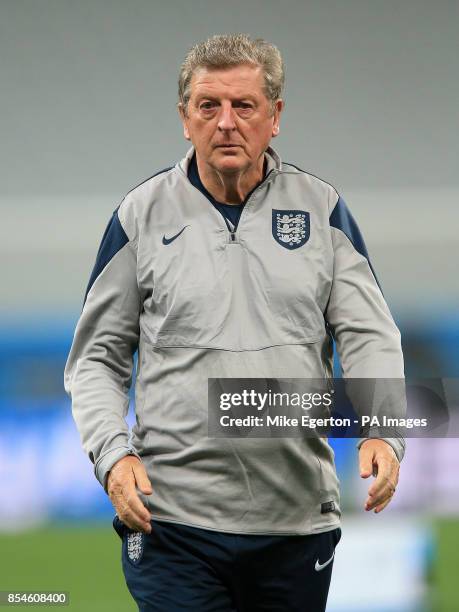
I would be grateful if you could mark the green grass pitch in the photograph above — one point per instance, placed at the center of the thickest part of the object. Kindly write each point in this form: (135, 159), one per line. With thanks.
(86, 562)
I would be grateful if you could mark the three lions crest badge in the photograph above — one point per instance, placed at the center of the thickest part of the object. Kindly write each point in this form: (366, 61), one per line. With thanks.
(291, 228)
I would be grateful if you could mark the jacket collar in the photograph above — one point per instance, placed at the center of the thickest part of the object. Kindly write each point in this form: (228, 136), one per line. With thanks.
(274, 161)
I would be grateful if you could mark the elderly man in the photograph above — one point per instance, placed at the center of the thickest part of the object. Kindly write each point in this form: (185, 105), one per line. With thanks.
(200, 272)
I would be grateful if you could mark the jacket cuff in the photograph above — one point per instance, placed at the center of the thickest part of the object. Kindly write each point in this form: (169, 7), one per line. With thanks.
(398, 444)
(105, 463)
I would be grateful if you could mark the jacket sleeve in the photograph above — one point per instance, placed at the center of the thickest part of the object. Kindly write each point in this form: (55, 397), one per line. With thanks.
(367, 339)
(98, 372)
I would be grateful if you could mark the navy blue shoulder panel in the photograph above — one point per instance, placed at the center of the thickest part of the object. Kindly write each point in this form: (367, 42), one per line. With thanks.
(342, 219)
(113, 240)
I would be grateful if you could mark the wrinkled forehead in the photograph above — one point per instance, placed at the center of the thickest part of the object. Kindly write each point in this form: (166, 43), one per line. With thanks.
(240, 80)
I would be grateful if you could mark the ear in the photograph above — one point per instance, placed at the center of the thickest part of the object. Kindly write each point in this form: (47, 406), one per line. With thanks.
(278, 107)
(184, 119)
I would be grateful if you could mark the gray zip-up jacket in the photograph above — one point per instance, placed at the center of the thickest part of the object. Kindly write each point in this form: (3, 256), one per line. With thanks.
(197, 302)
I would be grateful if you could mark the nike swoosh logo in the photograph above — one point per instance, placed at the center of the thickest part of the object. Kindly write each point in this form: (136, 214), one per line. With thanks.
(320, 566)
(172, 238)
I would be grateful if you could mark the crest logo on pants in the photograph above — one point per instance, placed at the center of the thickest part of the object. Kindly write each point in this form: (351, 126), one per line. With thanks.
(291, 228)
(135, 543)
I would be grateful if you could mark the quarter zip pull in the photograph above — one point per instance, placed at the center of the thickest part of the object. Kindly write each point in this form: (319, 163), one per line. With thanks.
(231, 230)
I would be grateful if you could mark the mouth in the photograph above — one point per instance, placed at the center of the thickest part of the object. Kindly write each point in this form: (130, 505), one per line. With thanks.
(227, 146)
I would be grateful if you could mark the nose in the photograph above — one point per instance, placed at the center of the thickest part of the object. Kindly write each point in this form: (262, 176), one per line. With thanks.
(226, 119)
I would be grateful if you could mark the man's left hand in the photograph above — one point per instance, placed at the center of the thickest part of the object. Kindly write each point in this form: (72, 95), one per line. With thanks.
(377, 457)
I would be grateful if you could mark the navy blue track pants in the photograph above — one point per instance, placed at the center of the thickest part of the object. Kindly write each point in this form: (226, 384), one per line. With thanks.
(182, 568)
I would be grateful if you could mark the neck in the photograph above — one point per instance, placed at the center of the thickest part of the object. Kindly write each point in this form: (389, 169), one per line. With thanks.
(231, 188)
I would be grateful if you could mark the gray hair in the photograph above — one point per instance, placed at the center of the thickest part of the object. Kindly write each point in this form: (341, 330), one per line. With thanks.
(226, 50)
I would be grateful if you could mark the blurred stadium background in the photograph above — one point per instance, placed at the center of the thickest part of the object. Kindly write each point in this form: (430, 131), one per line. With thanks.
(87, 112)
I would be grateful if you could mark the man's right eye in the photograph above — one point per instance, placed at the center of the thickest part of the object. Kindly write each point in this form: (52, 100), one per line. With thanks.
(207, 105)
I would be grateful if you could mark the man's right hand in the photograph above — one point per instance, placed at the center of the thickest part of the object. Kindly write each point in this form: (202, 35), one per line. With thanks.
(125, 475)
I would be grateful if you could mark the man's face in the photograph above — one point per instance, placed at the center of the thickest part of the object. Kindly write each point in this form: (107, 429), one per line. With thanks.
(229, 119)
